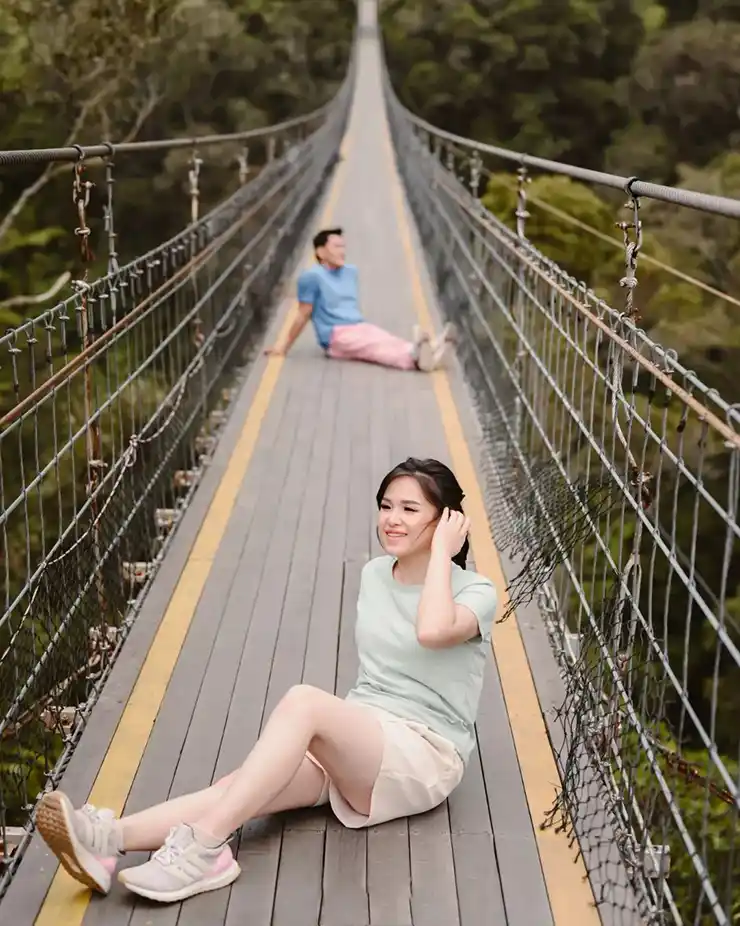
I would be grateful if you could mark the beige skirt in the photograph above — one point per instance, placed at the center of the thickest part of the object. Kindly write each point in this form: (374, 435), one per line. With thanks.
(419, 769)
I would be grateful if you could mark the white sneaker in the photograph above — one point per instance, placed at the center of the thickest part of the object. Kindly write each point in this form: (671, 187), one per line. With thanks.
(448, 335)
(423, 350)
(432, 352)
(183, 867)
(87, 842)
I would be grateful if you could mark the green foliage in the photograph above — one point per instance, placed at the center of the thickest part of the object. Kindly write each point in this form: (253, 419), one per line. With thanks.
(146, 69)
(561, 241)
(684, 84)
(538, 75)
(634, 86)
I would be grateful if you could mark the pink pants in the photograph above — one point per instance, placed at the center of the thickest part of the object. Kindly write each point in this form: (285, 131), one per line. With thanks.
(372, 344)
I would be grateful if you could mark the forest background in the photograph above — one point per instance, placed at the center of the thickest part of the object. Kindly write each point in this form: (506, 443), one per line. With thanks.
(632, 86)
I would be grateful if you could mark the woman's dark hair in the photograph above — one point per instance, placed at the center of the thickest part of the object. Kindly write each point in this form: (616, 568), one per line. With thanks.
(438, 485)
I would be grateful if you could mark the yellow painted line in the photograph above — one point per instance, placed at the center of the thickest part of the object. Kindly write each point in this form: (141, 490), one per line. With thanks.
(66, 901)
(568, 888)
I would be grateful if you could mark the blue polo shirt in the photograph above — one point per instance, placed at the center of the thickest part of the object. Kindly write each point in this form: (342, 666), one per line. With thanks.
(333, 295)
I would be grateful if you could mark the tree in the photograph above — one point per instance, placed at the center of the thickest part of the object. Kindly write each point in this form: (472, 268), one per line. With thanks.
(550, 196)
(145, 69)
(683, 94)
(536, 77)
(702, 328)
(82, 69)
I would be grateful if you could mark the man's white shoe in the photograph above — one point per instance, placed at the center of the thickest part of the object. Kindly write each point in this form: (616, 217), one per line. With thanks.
(448, 335)
(430, 352)
(441, 344)
(423, 350)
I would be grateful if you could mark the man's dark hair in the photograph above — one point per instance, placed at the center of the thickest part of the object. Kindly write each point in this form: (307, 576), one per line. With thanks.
(320, 238)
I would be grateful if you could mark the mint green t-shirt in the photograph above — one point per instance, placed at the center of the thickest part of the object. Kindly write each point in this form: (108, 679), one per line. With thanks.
(437, 687)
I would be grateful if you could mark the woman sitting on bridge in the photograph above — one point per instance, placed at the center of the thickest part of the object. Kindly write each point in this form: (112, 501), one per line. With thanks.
(396, 745)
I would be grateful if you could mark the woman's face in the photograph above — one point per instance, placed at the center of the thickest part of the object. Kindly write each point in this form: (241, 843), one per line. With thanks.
(406, 520)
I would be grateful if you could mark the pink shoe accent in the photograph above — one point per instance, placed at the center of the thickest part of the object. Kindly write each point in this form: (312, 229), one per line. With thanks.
(224, 860)
(109, 864)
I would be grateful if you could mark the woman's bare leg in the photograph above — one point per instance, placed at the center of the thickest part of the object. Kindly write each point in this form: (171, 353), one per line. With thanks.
(148, 829)
(346, 738)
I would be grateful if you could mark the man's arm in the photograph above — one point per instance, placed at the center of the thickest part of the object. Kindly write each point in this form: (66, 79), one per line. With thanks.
(299, 323)
(307, 291)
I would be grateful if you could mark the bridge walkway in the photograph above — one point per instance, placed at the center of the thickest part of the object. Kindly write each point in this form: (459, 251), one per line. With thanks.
(257, 593)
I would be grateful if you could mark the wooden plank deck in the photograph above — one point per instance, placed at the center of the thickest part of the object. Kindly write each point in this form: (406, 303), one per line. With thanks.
(278, 608)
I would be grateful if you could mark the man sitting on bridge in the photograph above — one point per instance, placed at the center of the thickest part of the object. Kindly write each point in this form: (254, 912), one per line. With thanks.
(328, 295)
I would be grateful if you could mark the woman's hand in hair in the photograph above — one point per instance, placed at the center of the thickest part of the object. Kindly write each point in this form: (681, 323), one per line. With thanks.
(450, 533)
(440, 622)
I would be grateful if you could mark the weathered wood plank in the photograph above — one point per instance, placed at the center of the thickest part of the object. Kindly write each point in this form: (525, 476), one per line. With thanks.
(477, 879)
(467, 803)
(389, 874)
(381, 427)
(433, 888)
(347, 662)
(479, 889)
(522, 880)
(316, 519)
(319, 666)
(345, 894)
(293, 889)
(301, 865)
(252, 896)
(357, 546)
(345, 898)
(258, 853)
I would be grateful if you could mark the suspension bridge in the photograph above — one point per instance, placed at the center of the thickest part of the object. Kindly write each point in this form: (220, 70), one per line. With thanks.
(184, 522)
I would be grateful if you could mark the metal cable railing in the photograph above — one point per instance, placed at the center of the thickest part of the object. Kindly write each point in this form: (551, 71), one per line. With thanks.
(117, 398)
(704, 202)
(270, 135)
(469, 161)
(613, 475)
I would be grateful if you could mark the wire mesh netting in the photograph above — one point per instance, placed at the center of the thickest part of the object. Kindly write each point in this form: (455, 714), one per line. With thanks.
(612, 483)
(119, 394)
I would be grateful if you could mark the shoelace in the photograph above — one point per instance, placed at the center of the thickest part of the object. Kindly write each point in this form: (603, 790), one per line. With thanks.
(96, 832)
(168, 855)
(170, 851)
(93, 814)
